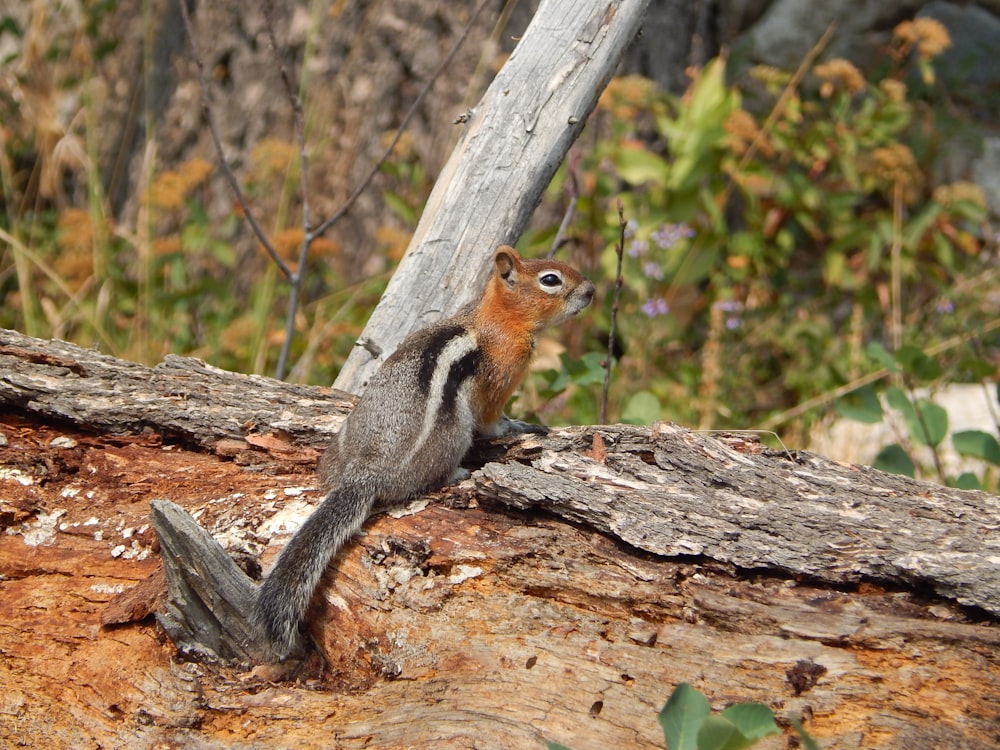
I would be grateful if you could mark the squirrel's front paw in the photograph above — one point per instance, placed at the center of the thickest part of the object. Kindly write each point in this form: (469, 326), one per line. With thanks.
(506, 426)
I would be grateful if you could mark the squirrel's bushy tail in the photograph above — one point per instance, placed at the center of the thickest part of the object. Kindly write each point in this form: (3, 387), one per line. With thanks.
(285, 594)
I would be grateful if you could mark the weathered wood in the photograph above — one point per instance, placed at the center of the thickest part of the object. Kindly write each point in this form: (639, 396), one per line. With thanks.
(182, 398)
(210, 598)
(465, 627)
(515, 138)
(673, 492)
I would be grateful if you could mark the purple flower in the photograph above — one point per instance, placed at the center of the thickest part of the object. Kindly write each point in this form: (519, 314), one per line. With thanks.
(669, 235)
(728, 305)
(630, 226)
(732, 306)
(655, 306)
(637, 247)
(653, 270)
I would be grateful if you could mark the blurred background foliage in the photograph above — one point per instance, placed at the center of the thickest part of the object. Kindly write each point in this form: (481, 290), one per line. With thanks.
(792, 249)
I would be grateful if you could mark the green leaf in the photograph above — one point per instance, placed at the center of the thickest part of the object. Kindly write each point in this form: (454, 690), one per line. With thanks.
(913, 361)
(719, 733)
(861, 405)
(894, 459)
(641, 408)
(399, 206)
(931, 423)
(917, 226)
(899, 401)
(975, 367)
(926, 421)
(693, 265)
(754, 720)
(977, 444)
(880, 354)
(637, 166)
(587, 370)
(682, 717)
(807, 741)
(554, 746)
(965, 481)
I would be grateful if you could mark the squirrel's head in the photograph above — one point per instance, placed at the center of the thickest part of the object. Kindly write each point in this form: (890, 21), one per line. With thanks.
(545, 291)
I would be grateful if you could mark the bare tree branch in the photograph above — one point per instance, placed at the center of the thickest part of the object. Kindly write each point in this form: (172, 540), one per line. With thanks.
(295, 285)
(620, 252)
(227, 169)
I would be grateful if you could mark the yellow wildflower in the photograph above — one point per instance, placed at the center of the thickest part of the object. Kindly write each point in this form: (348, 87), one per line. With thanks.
(76, 230)
(405, 147)
(896, 165)
(167, 245)
(742, 129)
(171, 188)
(288, 242)
(393, 240)
(274, 156)
(966, 192)
(626, 96)
(839, 73)
(167, 191)
(928, 35)
(894, 90)
(194, 172)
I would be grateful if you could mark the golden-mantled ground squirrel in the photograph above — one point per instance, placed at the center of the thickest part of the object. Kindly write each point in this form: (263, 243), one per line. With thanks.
(409, 432)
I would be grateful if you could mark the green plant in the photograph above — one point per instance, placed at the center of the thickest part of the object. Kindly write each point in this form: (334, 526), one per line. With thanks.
(777, 227)
(926, 422)
(689, 724)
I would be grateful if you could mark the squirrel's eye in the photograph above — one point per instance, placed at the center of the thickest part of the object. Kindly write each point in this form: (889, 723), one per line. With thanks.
(550, 280)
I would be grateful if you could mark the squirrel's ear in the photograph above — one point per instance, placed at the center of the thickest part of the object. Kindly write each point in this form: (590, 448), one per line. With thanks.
(506, 264)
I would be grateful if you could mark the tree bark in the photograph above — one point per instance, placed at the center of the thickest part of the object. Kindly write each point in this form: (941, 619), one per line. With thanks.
(560, 594)
(515, 138)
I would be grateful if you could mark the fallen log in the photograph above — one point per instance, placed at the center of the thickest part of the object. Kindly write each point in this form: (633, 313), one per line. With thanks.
(580, 575)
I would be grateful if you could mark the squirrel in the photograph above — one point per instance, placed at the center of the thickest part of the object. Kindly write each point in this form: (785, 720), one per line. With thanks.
(408, 434)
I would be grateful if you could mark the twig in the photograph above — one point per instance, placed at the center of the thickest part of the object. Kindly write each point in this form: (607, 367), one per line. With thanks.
(227, 170)
(925, 437)
(619, 252)
(295, 280)
(896, 274)
(772, 433)
(574, 191)
(779, 106)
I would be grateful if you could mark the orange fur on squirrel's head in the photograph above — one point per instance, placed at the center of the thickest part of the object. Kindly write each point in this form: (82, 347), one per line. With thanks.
(522, 297)
(534, 294)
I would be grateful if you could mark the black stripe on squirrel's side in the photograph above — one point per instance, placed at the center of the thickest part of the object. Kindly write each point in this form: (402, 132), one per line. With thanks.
(461, 370)
(432, 352)
(416, 421)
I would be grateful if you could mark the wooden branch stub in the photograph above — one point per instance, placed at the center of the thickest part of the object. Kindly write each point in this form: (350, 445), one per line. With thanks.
(210, 599)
